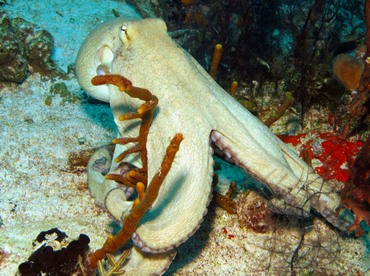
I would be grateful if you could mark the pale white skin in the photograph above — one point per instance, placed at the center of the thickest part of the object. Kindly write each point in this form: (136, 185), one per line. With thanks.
(191, 103)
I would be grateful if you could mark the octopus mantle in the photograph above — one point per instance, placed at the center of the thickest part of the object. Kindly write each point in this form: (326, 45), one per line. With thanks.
(191, 103)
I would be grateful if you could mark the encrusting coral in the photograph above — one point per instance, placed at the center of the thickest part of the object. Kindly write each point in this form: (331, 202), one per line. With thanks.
(138, 178)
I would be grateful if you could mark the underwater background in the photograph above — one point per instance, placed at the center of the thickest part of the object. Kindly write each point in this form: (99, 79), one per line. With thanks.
(299, 67)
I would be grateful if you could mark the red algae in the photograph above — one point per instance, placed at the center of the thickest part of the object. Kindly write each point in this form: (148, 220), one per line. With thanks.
(335, 155)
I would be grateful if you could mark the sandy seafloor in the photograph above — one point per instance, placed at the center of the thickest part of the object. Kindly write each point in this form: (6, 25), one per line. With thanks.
(38, 191)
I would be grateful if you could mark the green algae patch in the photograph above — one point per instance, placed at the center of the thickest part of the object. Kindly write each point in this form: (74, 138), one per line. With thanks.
(66, 96)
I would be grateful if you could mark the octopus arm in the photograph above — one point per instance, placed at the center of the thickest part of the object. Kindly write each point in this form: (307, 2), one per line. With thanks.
(183, 199)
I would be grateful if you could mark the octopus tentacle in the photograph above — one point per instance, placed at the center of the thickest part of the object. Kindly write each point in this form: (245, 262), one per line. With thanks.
(294, 198)
(98, 185)
(309, 190)
(148, 264)
(185, 195)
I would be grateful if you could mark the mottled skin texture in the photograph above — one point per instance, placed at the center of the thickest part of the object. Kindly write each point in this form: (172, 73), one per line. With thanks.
(191, 103)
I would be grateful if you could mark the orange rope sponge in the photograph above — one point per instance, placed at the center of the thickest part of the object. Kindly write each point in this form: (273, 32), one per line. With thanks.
(215, 60)
(139, 208)
(137, 177)
(234, 86)
(186, 2)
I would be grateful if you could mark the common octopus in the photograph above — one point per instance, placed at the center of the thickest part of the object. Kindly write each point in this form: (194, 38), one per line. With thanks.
(191, 103)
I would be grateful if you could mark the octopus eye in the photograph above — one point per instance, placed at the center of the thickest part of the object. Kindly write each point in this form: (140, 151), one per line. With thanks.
(124, 36)
(124, 29)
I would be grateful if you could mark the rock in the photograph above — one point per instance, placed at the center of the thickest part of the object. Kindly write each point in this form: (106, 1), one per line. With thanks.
(13, 63)
(24, 46)
(38, 44)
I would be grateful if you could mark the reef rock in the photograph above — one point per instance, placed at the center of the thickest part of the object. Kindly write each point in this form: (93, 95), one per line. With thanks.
(25, 48)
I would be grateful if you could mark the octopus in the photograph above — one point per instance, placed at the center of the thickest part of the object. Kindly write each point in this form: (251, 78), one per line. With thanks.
(192, 103)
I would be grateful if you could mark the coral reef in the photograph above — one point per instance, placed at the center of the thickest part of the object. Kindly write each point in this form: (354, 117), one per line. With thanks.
(25, 47)
(292, 42)
(302, 249)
